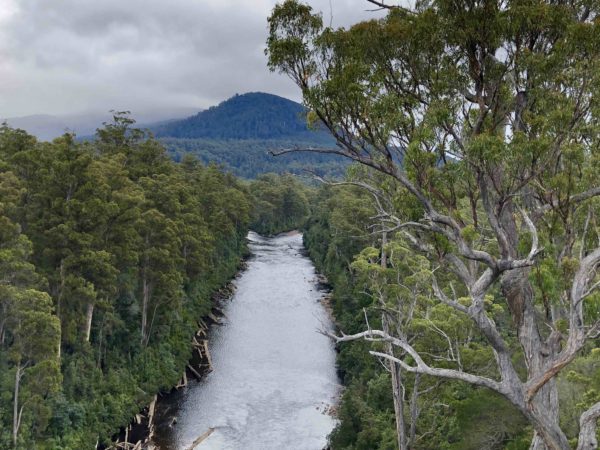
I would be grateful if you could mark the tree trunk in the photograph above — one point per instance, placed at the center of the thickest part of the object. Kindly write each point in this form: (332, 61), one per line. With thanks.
(397, 388)
(145, 301)
(61, 288)
(16, 415)
(397, 391)
(547, 432)
(88, 321)
(2, 328)
(587, 428)
(543, 412)
(414, 410)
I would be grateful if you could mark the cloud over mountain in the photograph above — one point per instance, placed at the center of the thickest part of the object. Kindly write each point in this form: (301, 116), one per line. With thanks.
(66, 56)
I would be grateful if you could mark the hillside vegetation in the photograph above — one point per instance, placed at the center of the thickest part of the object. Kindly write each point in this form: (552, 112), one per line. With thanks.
(109, 253)
(240, 133)
(255, 115)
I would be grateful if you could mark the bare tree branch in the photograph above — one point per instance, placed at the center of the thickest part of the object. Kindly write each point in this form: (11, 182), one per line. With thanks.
(383, 5)
(420, 367)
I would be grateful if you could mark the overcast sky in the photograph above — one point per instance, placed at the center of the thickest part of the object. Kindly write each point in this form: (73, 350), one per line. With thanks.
(71, 56)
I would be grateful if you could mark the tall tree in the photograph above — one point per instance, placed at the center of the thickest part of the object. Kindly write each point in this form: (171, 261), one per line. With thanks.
(485, 113)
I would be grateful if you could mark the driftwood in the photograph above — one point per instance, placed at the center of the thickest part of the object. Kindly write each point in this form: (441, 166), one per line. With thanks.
(183, 382)
(194, 371)
(128, 446)
(203, 352)
(201, 438)
(214, 318)
(207, 354)
(151, 409)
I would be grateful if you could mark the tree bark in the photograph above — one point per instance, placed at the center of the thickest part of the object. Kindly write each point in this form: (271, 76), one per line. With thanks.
(88, 321)
(16, 415)
(544, 406)
(2, 328)
(414, 410)
(397, 388)
(397, 391)
(145, 302)
(519, 295)
(587, 428)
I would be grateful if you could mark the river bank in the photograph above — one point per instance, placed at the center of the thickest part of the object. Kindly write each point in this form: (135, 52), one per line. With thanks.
(274, 380)
(139, 433)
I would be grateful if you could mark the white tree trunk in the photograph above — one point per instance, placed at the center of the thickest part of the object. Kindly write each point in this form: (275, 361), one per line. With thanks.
(16, 415)
(397, 392)
(88, 321)
(145, 304)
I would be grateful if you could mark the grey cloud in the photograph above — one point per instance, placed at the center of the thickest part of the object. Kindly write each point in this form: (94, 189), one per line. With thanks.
(65, 56)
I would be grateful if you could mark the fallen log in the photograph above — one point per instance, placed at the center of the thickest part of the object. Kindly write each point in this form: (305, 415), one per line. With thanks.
(151, 411)
(195, 372)
(201, 438)
(202, 324)
(207, 354)
(214, 318)
(183, 382)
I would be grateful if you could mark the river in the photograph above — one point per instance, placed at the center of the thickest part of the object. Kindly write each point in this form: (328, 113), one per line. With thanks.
(274, 376)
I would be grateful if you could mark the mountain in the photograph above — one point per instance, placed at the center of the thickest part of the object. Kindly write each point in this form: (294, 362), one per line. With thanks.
(255, 115)
(47, 127)
(240, 132)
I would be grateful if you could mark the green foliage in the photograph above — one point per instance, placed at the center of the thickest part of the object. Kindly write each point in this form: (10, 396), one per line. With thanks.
(280, 204)
(249, 158)
(109, 252)
(241, 132)
(480, 121)
(254, 115)
(452, 414)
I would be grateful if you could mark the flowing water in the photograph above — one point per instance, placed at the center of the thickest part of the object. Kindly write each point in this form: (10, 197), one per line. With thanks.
(274, 375)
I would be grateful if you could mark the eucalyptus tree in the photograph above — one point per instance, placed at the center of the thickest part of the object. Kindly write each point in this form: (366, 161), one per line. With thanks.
(29, 330)
(485, 113)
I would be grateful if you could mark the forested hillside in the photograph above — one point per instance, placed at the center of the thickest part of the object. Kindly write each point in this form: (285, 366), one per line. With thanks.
(279, 203)
(251, 158)
(109, 253)
(255, 115)
(241, 132)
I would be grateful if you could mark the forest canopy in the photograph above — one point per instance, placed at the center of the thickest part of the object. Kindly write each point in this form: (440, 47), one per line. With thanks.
(487, 231)
(109, 253)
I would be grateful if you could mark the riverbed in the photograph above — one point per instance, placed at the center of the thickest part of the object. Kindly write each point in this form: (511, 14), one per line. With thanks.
(274, 381)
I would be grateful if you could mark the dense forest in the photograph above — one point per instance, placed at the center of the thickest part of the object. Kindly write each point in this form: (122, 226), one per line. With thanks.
(279, 203)
(465, 278)
(254, 116)
(241, 132)
(109, 255)
(251, 158)
(462, 244)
